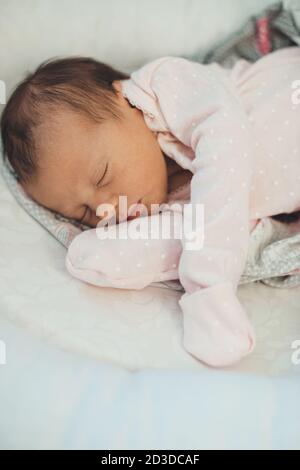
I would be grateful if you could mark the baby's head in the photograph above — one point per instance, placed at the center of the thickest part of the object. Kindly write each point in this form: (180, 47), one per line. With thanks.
(75, 142)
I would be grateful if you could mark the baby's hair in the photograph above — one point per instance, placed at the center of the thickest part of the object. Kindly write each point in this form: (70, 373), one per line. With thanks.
(80, 83)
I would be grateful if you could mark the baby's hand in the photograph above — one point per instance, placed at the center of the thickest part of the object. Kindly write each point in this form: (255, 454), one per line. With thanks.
(102, 258)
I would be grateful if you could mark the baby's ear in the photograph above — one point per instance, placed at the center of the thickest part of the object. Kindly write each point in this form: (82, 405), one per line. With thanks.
(117, 85)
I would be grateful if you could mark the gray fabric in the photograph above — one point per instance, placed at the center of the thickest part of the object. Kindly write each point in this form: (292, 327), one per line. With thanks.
(283, 19)
(274, 254)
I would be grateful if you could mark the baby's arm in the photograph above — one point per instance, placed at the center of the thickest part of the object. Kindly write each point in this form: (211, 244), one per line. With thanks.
(203, 111)
(128, 263)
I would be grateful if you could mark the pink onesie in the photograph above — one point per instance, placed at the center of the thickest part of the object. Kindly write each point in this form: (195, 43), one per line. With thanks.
(238, 131)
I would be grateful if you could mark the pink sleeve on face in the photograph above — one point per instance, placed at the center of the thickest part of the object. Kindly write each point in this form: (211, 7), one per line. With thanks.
(203, 111)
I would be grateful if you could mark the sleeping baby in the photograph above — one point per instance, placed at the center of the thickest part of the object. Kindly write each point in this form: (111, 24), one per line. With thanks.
(83, 137)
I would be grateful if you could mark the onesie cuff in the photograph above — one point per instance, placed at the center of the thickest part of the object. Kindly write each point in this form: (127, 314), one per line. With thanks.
(216, 329)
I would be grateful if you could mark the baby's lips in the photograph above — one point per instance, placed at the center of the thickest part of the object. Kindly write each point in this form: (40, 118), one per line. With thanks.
(107, 215)
(131, 217)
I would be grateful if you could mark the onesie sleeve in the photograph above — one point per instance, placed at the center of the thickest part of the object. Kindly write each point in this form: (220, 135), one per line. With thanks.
(202, 110)
(130, 255)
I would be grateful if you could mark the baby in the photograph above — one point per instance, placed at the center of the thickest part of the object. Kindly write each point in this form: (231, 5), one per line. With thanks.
(80, 134)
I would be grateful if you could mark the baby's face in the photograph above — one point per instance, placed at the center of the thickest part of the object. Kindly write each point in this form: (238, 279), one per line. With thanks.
(85, 164)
